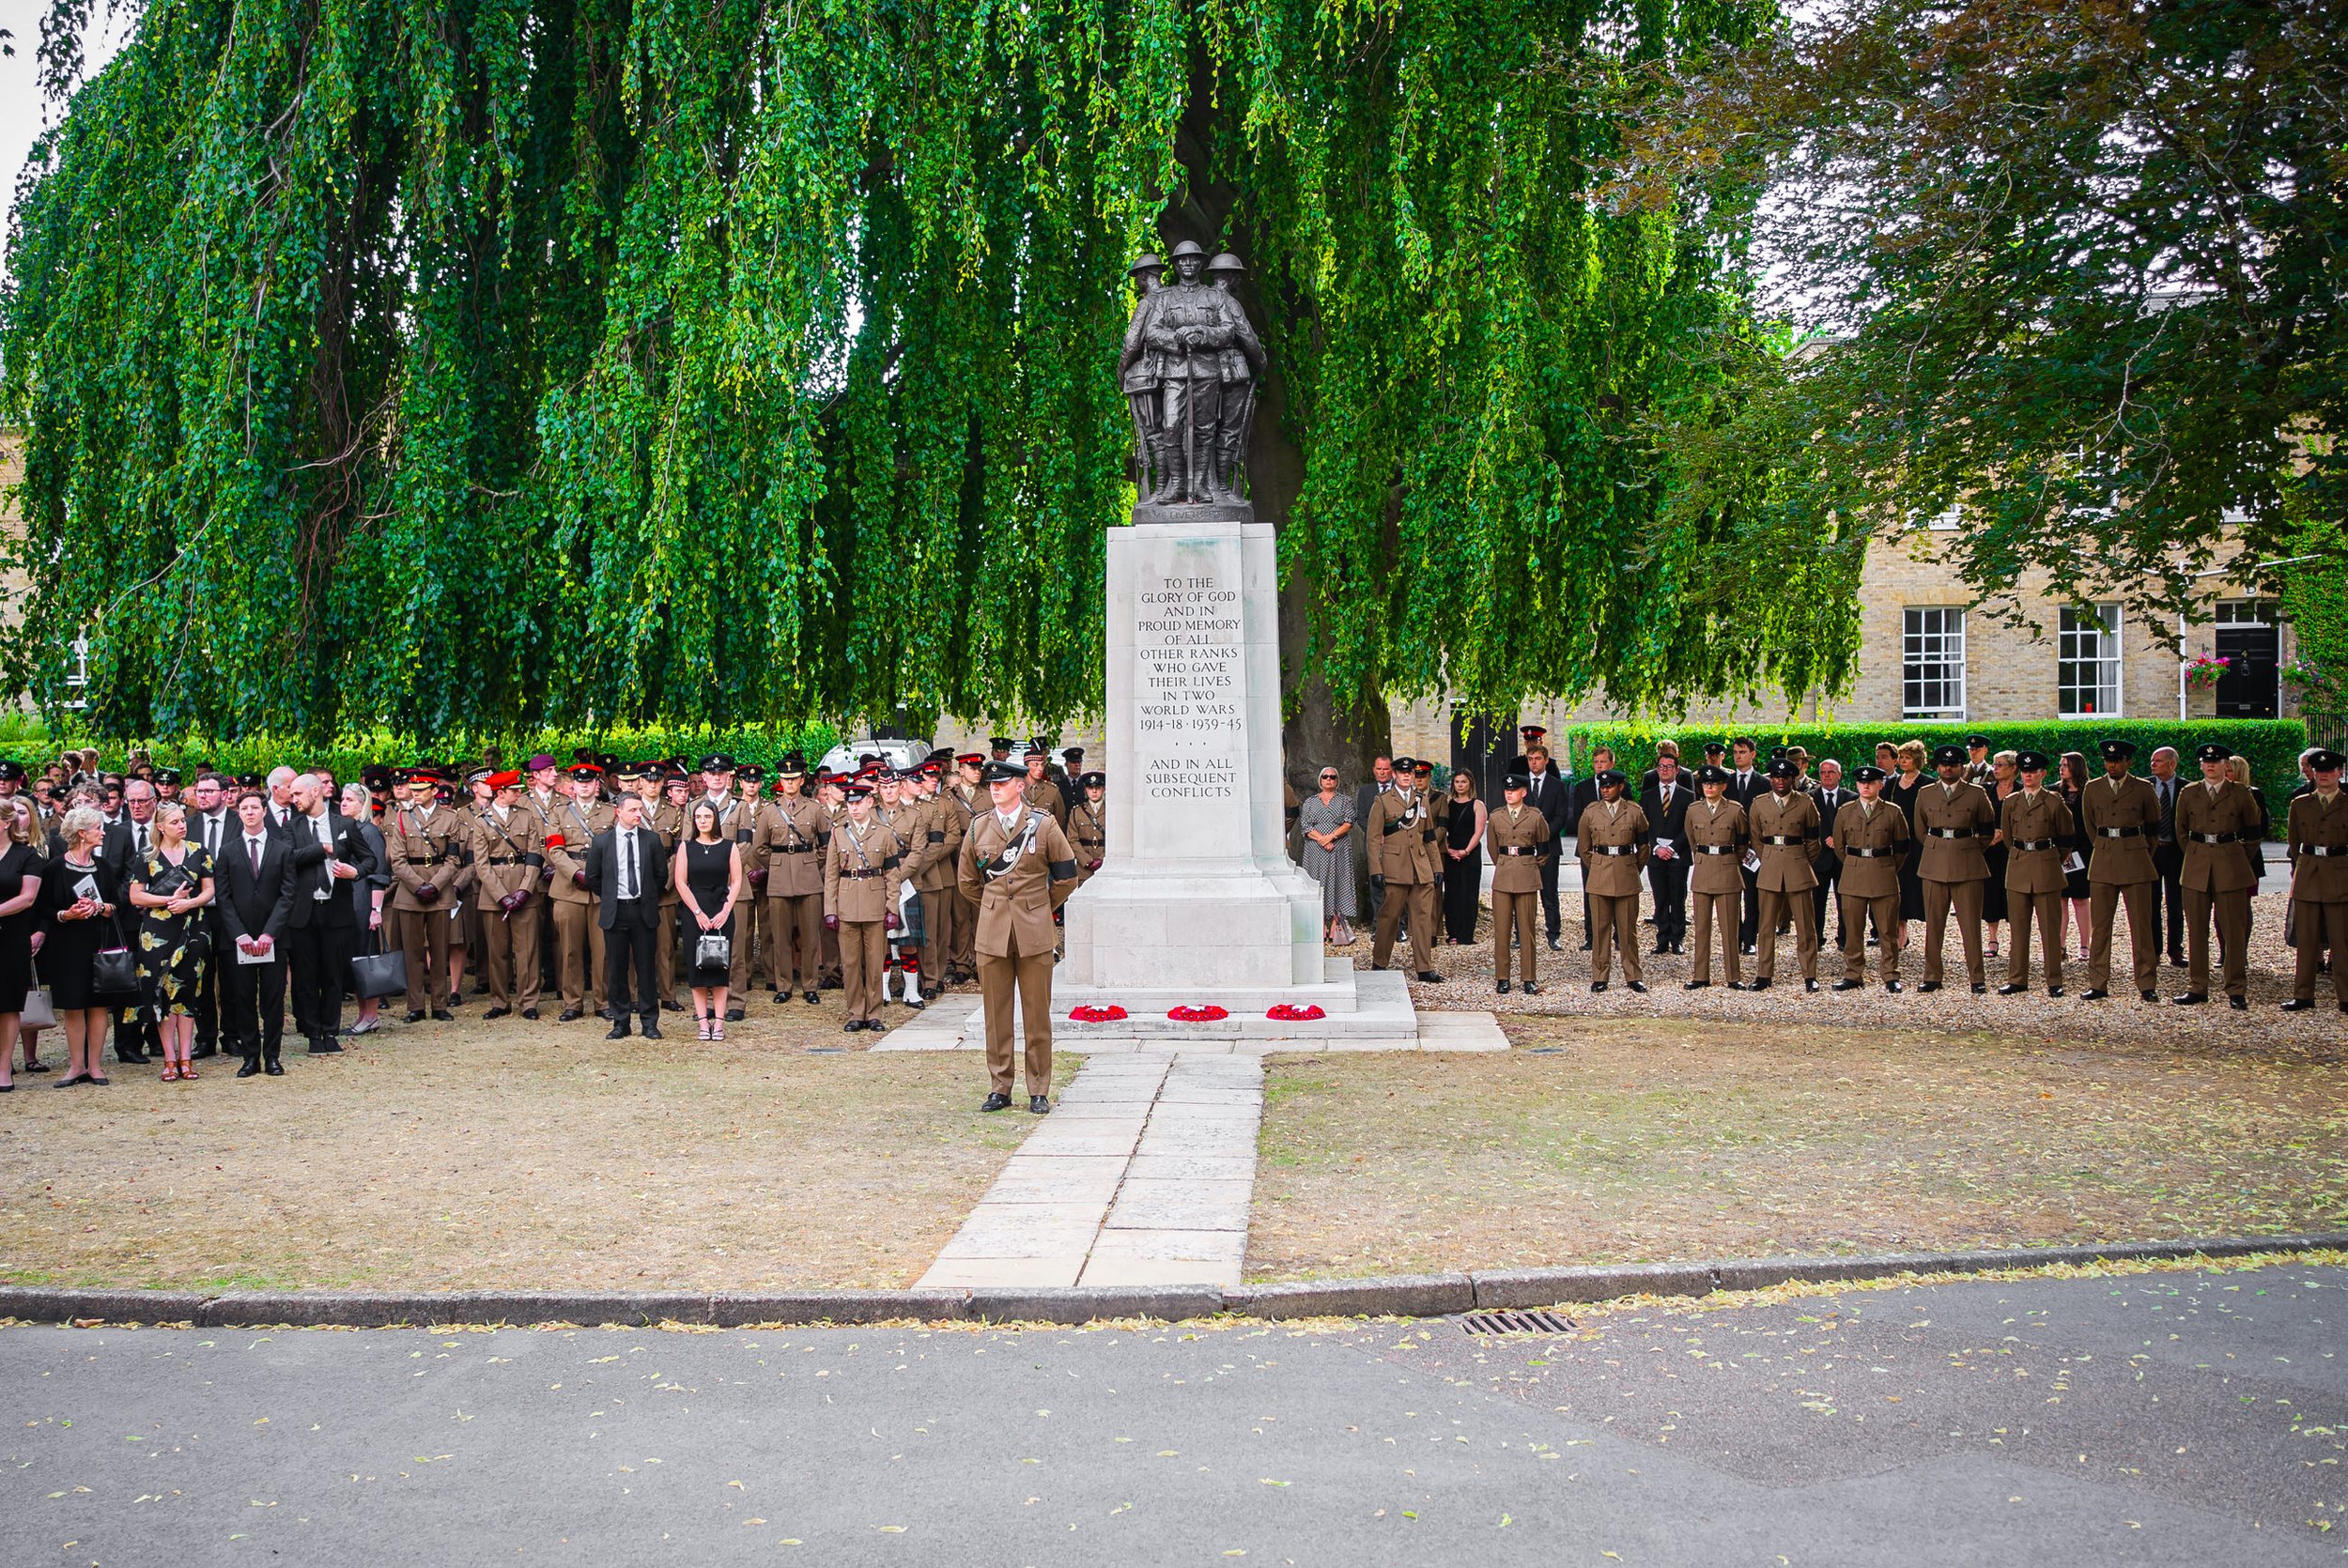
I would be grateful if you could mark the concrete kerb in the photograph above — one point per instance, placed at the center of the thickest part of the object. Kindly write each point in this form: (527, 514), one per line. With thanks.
(1401, 1296)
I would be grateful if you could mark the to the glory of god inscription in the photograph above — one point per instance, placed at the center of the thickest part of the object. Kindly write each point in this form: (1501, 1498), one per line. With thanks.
(1189, 680)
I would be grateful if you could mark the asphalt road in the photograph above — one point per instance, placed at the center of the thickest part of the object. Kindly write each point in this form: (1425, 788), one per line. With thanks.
(2173, 1418)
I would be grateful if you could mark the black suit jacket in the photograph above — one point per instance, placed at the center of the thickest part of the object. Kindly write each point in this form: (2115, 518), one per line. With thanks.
(1552, 796)
(1829, 802)
(1584, 796)
(1670, 824)
(1746, 792)
(603, 874)
(310, 872)
(252, 905)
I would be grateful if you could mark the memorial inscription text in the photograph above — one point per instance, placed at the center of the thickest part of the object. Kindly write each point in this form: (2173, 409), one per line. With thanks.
(1188, 689)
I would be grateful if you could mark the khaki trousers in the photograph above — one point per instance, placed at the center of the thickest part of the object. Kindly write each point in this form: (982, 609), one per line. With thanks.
(422, 934)
(2103, 899)
(509, 953)
(1965, 896)
(938, 934)
(2046, 909)
(739, 967)
(1857, 907)
(1419, 897)
(1801, 906)
(827, 948)
(863, 957)
(1707, 911)
(962, 954)
(1030, 976)
(2233, 935)
(794, 953)
(2321, 925)
(577, 957)
(1614, 922)
(1518, 912)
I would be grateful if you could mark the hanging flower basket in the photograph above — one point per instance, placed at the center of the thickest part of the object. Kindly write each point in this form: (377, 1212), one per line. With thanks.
(1206, 1014)
(1288, 1012)
(1110, 1014)
(2203, 673)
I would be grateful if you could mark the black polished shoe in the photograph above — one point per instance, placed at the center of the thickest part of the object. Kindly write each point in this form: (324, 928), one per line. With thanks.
(1926, 988)
(1810, 985)
(131, 1058)
(1759, 982)
(2094, 994)
(442, 1015)
(812, 1000)
(202, 1052)
(1039, 1105)
(1693, 985)
(996, 1102)
(780, 997)
(2010, 988)
(531, 1013)
(2239, 1004)
(1597, 986)
(673, 1006)
(2189, 999)
(275, 1068)
(325, 1048)
(2299, 1004)
(652, 1026)
(2054, 991)
(569, 1015)
(1639, 986)
(1531, 989)
(1429, 977)
(1552, 945)
(830, 982)
(1501, 989)
(1892, 986)
(606, 1014)
(252, 1068)
(2176, 961)
(2149, 995)
(1980, 990)
(734, 1014)
(497, 1012)
(854, 1026)
(415, 1015)
(618, 1031)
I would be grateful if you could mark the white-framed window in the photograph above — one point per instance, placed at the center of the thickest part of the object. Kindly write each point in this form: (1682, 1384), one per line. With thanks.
(77, 673)
(1937, 522)
(2248, 612)
(1932, 662)
(2087, 650)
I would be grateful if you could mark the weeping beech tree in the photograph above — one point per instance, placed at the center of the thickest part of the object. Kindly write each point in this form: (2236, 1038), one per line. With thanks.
(465, 365)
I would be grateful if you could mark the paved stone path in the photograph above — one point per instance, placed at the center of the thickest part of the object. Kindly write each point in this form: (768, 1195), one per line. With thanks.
(1141, 1176)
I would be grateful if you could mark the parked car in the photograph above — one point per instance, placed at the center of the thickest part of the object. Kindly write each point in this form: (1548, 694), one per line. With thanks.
(896, 753)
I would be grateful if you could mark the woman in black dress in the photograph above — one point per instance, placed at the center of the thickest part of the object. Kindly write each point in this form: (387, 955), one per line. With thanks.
(2001, 782)
(19, 892)
(1901, 792)
(168, 887)
(1463, 859)
(2073, 784)
(80, 893)
(709, 882)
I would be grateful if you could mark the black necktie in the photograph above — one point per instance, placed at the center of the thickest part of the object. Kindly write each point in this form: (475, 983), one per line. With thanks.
(252, 846)
(2168, 811)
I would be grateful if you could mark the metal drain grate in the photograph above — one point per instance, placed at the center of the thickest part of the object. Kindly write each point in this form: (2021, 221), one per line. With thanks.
(1516, 1323)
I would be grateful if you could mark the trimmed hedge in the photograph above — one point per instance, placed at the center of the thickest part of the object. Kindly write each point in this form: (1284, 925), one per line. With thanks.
(2271, 746)
(30, 742)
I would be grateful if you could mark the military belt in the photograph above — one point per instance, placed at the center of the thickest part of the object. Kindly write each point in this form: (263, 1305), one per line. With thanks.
(858, 876)
(1949, 832)
(2032, 844)
(1857, 854)
(1714, 849)
(793, 848)
(2323, 851)
(1517, 849)
(2215, 837)
(504, 860)
(2119, 833)
(1781, 840)
(1614, 849)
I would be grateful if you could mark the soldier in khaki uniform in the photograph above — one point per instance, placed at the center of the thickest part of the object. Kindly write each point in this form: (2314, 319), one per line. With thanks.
(831, 797)
(2214, 817)
(1785, 833)
(965, 794)
(577, 936)
(1042, 794)
(1089, 824)
(944, 824)
(1519, 838)
(1018, 868)
(1612, 844)
(508, 853)
(2037, 826)
(425, 843)
(790, 837)
(1400, 840)
(1871, 836)
(1954, 821)
(2317, 829)
(1717, 836)
(2122, 814)
(749, 924)
(908, 816)
(863, 869)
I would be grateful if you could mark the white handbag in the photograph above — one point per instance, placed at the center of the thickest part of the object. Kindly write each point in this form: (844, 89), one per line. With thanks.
(40, 1011)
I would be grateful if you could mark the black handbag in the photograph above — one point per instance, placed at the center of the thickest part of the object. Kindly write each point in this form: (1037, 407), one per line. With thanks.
(115, 973)
(379, 974)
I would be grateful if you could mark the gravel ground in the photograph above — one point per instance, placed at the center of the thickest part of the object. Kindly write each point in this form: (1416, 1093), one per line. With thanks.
(1564, 975)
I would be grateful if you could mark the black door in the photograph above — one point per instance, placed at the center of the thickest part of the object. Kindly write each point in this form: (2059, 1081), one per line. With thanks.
(1483, 747)
(2252, 655)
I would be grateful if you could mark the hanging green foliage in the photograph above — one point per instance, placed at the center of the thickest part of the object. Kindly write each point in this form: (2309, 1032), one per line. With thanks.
(491, 364)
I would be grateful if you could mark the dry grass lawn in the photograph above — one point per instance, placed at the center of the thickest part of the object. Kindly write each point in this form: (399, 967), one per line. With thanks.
(1648, 1140)
(507, 1154)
